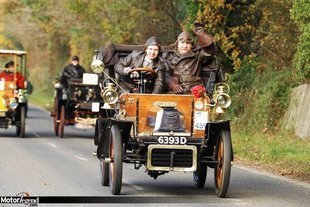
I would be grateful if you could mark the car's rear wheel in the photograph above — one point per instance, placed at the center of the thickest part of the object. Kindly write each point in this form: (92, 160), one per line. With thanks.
(61, 121)
(223, 155)
(200, 175)
(56, 116)
(116, 164)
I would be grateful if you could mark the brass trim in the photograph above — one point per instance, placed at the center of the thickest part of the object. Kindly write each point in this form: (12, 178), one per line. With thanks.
(178, 169)
(183, 134)
(163, 104)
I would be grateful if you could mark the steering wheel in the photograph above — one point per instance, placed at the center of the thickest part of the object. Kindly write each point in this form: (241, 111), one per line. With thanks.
(148, 71)
(145, 75)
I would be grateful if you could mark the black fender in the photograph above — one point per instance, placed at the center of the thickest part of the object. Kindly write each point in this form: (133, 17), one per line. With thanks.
(103, 135)
(98, 130)
(211, 135)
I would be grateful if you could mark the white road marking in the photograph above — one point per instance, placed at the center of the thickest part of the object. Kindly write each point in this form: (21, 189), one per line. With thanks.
(81, 158)
(32, 131)
(52, 145)
(35, 134)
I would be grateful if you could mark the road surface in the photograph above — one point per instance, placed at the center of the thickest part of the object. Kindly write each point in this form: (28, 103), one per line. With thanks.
(44, 165)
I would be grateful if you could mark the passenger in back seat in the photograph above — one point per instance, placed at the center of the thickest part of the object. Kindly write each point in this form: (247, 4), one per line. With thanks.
(186, 60)
(147, 58)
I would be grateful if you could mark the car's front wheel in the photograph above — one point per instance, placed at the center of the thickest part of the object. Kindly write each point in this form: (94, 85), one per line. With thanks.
(116, 164)
(56, 116)
(21, 125)
(223, 156)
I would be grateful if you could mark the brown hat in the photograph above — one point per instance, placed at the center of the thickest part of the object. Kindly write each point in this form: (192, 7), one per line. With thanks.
(185, 37)
(152, 41)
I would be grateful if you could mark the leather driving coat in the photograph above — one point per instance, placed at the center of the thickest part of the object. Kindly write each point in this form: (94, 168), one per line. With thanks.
(135, 60)
(186, 69)
(71, 71)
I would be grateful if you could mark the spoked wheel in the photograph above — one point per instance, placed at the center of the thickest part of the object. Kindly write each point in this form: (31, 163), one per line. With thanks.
(20, 128)
(61, 121)
(200, 175)
(104, 170)
(116, 164)
(56, 117)
(223, 167)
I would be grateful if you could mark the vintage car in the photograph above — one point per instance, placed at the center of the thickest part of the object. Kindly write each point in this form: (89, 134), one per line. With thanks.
(13, 100)
(162, 132)
(79, 104)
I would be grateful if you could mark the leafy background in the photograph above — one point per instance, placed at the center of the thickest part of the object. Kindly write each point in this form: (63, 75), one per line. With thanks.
(262, 44)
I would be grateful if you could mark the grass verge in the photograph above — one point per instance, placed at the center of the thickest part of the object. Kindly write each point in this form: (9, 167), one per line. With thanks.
(280, 154)
(42, 99)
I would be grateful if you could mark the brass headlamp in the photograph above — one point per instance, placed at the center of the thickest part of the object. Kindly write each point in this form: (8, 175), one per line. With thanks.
(97, 66)
(221, 97)
(109, 95)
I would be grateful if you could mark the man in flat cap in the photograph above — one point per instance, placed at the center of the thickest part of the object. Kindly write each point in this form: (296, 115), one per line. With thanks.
(148, 58)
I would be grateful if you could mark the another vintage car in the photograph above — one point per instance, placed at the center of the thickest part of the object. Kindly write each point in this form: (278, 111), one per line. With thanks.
(13, 100)
(79, 105)
(162, 133)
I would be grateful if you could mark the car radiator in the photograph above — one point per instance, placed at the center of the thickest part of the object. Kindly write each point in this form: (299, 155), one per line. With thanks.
(172, 157)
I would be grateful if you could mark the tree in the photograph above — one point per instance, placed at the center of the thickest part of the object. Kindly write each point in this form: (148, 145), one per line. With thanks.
(301, 14)
(276, 38)
(233, 24)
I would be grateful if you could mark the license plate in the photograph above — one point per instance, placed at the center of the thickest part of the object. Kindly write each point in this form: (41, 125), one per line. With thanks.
(95, 107)
(201, 119)
(2, 113)
(171, 140)
(83, 126)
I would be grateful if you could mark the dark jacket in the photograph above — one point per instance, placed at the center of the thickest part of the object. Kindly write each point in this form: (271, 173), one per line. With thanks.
(71, 72)
(135, 60)
(186, 69)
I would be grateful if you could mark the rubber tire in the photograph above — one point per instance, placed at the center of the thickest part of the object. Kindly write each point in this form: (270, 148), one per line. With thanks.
(20, 129)
(104, 171)
(223, 154)
(61, 121)
(98, 131)
(56, 117)
(200, 175)
(116, 164)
